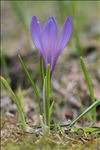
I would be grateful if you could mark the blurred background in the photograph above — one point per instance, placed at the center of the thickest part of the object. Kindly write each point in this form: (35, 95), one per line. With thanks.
(69, 90)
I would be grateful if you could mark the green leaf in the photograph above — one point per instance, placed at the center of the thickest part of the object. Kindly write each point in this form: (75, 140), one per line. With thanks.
(46, 97)
(89, 84)
(90, 108)
(34, 87)
(16, 101)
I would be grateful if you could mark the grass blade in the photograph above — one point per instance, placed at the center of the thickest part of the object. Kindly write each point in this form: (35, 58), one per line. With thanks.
(20, 98)
(16, 101)
(6, 85)
(89, 84)
(20, 95)
(90, 108)
(34, 87)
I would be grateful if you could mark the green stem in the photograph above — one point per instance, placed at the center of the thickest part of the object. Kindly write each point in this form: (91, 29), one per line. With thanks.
(42, 71)
(47, 96)
(44, 102)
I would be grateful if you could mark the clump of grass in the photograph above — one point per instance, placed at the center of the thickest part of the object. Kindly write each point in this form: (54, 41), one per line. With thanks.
(95, 103)
(45, 111)
(45, 81)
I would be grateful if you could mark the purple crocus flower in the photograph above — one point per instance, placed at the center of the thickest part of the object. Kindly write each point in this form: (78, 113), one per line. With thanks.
(46, 39)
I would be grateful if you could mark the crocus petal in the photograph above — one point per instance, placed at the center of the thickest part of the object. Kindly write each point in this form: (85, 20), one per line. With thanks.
(36, 34)
(66, 33)
(65, 36)
(49, 38)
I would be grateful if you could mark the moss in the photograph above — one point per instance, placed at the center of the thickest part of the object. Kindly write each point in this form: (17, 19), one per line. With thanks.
(63, 138)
